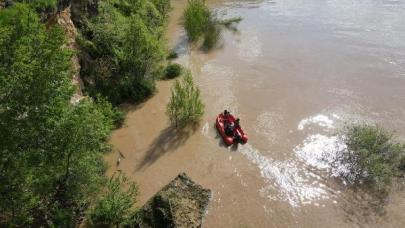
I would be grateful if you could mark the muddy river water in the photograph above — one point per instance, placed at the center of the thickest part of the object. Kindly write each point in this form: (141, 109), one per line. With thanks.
(295, 72)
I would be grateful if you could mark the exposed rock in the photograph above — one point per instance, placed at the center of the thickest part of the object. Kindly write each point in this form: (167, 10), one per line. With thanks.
(181, 203)
(6, 3)
(63, 19)
(82, 9)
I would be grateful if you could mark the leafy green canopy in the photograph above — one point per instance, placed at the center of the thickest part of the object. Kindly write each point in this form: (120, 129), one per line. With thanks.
(185, 104)
(375, 158)
(124, 49)
(41, 5)
(50, 150)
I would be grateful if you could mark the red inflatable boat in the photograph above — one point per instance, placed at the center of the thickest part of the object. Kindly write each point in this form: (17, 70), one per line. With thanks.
(229, 139)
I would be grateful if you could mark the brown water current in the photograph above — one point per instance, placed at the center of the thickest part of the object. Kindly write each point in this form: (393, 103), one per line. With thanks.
(294, 72)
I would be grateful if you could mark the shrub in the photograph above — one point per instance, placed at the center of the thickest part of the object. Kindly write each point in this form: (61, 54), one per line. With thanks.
(163, 6)
(199, 22)
(41, 6)
(173, 70)
(114, 207)
(196, 17)
(124, 49)
(185, 105)
(212, 35)
(373, 156)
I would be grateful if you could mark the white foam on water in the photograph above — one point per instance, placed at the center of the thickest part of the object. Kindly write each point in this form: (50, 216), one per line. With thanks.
(320, 120)
(321, 152)
(285, 180)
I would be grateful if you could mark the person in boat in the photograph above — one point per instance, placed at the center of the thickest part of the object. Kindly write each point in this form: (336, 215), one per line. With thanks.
(226, 118)
(226, 114)
(237, 123)
(229, 129)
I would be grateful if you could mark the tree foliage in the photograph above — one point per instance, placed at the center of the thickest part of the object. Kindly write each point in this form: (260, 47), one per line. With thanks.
(201, 23)
(115, 206)
(41, 5)
(124, 49)
(373, 156)
(51, 150)
(185, 104)
(196, 17)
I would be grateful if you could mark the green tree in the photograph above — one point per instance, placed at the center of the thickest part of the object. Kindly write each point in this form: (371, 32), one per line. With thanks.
(41, 6)
(115, 206)
(124, 49)
(50, 150)
(185, 104)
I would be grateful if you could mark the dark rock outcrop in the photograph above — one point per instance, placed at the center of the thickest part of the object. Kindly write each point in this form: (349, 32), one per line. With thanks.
(181, 203)
(83, 9)
(80, 9)
(6, 3)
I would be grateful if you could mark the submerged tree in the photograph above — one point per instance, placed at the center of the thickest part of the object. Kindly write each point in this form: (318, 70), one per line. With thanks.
(185, 105)
(373, 157)
(196, 17)
(201, 23)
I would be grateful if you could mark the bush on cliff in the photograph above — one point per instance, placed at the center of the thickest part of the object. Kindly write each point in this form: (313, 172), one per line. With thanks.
(124, 49)
(373, 156)
(185, 105)
(41, 6)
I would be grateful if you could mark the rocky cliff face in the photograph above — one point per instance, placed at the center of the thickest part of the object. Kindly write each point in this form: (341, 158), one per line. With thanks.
(69, 15)
(79, 9)
(181, 203)
(63, 18)
(5, 3)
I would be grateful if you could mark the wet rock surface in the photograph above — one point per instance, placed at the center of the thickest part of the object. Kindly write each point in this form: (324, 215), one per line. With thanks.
(181, 203)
